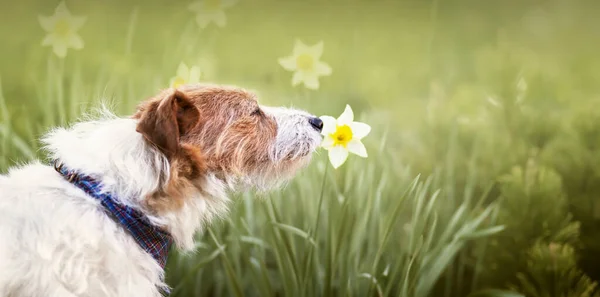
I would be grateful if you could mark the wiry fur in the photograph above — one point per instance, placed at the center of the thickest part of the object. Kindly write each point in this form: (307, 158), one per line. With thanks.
(57, 241)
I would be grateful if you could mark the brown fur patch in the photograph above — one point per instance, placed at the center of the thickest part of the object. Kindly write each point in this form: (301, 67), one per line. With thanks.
(187, 167)
(204, 128)
(163, 122)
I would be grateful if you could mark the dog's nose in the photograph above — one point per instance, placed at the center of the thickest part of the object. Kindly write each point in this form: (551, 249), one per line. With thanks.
(316, 123)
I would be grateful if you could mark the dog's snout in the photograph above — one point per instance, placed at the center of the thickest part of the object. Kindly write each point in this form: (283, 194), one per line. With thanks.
(316, 123)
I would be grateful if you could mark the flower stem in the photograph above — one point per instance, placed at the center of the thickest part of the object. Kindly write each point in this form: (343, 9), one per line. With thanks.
(321, 200)
(308, 260)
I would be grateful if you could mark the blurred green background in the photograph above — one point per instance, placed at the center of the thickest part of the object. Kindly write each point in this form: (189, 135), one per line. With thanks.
(484, 159)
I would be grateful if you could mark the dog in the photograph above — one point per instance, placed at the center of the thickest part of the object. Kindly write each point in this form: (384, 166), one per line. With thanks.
(99, 218)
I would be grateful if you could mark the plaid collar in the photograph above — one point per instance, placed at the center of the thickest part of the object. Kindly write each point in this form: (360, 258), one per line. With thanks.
(152, 239)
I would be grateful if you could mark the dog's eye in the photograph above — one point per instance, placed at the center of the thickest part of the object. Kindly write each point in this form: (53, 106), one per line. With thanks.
(257, 112)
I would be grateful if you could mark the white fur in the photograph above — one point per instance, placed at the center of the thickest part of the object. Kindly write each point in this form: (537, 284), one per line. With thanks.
(56, 241)
(296, 138)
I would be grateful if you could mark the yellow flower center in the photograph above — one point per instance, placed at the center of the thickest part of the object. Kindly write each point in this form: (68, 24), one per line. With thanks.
(62, 27)
(212, 4)
(342, 135)
(305, 62)
(178, 82)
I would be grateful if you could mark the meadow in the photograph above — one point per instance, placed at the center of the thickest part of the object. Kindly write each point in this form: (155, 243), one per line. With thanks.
(483, 167)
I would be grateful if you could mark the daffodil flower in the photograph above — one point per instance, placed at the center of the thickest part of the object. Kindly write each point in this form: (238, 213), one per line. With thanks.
(305, 63)
(343, 135)
(211, 11)
(185, 75)
(62, 30)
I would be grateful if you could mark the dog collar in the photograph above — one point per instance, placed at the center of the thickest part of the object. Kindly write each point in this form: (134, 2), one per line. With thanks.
(151, 239)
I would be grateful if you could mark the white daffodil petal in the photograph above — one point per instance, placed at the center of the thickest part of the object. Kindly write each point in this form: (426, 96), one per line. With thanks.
(311, 82)
(48, 40)
(77, 22)
(317, 50)
(327, 142)
(47, 23)
(337, 156)
(220, 18)
(62, 9)
(347, 116)
(329, 125)
(183, 70)
(288, 63)
(297, 78)
(60, 49)
(356, 147)
(322, 69)
(75, 42)
(359, 130)
(194, 74)
(300, 48)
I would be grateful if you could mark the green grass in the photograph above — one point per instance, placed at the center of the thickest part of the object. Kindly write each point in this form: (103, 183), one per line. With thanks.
(387, 235)
(472, 180)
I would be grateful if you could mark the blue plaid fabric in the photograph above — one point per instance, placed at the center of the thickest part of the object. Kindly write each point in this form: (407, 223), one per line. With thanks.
(152, 239)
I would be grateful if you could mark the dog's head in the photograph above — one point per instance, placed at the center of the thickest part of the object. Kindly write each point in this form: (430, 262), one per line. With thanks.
(225, 132)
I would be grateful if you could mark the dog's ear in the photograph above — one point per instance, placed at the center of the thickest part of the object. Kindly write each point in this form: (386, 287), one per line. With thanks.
(164, 122)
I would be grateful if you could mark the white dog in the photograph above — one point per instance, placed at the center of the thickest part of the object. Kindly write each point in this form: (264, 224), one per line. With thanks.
(99, 220)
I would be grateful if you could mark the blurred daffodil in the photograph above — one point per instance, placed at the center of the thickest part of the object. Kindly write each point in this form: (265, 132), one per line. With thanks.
(211, 11)
(305, 63)
(343, 135)
(185, 75)
(62, 30)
